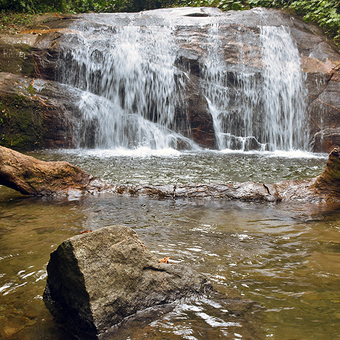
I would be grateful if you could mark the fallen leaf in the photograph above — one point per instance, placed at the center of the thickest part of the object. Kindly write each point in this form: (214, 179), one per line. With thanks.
(85, 231)
(164, 260)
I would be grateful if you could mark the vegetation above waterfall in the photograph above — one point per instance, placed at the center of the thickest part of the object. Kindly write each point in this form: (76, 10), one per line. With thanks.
(326, 13)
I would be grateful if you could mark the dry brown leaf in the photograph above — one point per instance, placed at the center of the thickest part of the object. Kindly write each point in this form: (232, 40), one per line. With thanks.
(164, 260)
(85, 231)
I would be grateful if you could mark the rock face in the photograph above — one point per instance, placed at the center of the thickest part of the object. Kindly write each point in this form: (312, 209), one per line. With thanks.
(70, 51)
(95, 280)
(233, 44)
(35, 113)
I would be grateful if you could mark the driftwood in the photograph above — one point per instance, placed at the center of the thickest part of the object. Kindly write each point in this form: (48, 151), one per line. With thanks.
(38, 178)
(34, 177)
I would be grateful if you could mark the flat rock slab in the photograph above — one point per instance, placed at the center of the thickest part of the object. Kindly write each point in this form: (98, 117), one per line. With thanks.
(97, 279)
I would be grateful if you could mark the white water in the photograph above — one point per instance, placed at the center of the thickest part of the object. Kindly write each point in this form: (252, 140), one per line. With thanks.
(134, 96)
(283, 91)
(130, 93)
(262, 109)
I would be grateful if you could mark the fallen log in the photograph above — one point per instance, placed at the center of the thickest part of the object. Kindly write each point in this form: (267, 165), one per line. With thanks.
(34, 177)
(38, 178)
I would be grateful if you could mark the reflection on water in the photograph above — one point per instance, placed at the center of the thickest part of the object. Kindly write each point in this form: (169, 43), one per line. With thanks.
(286, 258)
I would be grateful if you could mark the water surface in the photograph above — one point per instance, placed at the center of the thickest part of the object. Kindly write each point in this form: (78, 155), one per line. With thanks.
(283, 257)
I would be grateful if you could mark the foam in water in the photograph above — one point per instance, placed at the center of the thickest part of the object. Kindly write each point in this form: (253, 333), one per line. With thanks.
(141, 152)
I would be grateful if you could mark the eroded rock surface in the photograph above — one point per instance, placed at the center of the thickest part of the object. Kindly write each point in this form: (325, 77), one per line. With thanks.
(97, 279)
(200, 36)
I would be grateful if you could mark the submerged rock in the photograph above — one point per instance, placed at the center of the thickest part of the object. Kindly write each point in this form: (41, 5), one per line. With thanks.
(97, 279)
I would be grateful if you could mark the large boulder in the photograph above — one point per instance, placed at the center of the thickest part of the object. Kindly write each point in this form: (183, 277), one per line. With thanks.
(97, 279)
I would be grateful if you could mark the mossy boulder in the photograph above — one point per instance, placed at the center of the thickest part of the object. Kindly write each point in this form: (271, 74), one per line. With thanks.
(34, 114)
(21, 122)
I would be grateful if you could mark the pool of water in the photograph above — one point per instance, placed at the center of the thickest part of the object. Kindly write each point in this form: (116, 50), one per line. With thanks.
(283, 257)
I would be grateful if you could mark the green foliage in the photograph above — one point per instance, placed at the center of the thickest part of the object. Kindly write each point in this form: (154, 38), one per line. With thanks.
(30, 6)
(326, 13)
(12, 22)
(267, 3)
(80, 6)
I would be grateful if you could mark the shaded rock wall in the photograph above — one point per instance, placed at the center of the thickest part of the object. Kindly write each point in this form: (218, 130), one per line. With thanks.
(35, 114)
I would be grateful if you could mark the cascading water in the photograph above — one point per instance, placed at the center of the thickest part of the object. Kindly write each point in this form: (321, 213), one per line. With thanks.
(283, 91)
(133, 93)
(233, 95)
(261, 108)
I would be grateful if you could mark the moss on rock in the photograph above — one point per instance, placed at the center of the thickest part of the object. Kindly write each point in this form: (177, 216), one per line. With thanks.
(21, 122)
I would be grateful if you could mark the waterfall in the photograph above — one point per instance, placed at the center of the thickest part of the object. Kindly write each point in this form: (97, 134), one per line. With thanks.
(259, 108)
(283, 91)
(133, 90)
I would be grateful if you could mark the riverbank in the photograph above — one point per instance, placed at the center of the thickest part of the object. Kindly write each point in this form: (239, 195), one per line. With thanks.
(14, 23)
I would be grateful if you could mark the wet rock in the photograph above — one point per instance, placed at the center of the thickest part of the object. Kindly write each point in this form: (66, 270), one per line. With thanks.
(326, 139)
(239, 44)
(33, 177)
(38, 178)
(328, 183)
(16, 53)
(96, 280)
(324, 111)
(35, 113)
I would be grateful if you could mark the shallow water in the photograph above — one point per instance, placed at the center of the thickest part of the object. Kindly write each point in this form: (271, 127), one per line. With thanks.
(284, 257)
(144, 166)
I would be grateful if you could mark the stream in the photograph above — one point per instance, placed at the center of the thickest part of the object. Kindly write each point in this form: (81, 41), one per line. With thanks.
(144, 86)
(282, 257)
